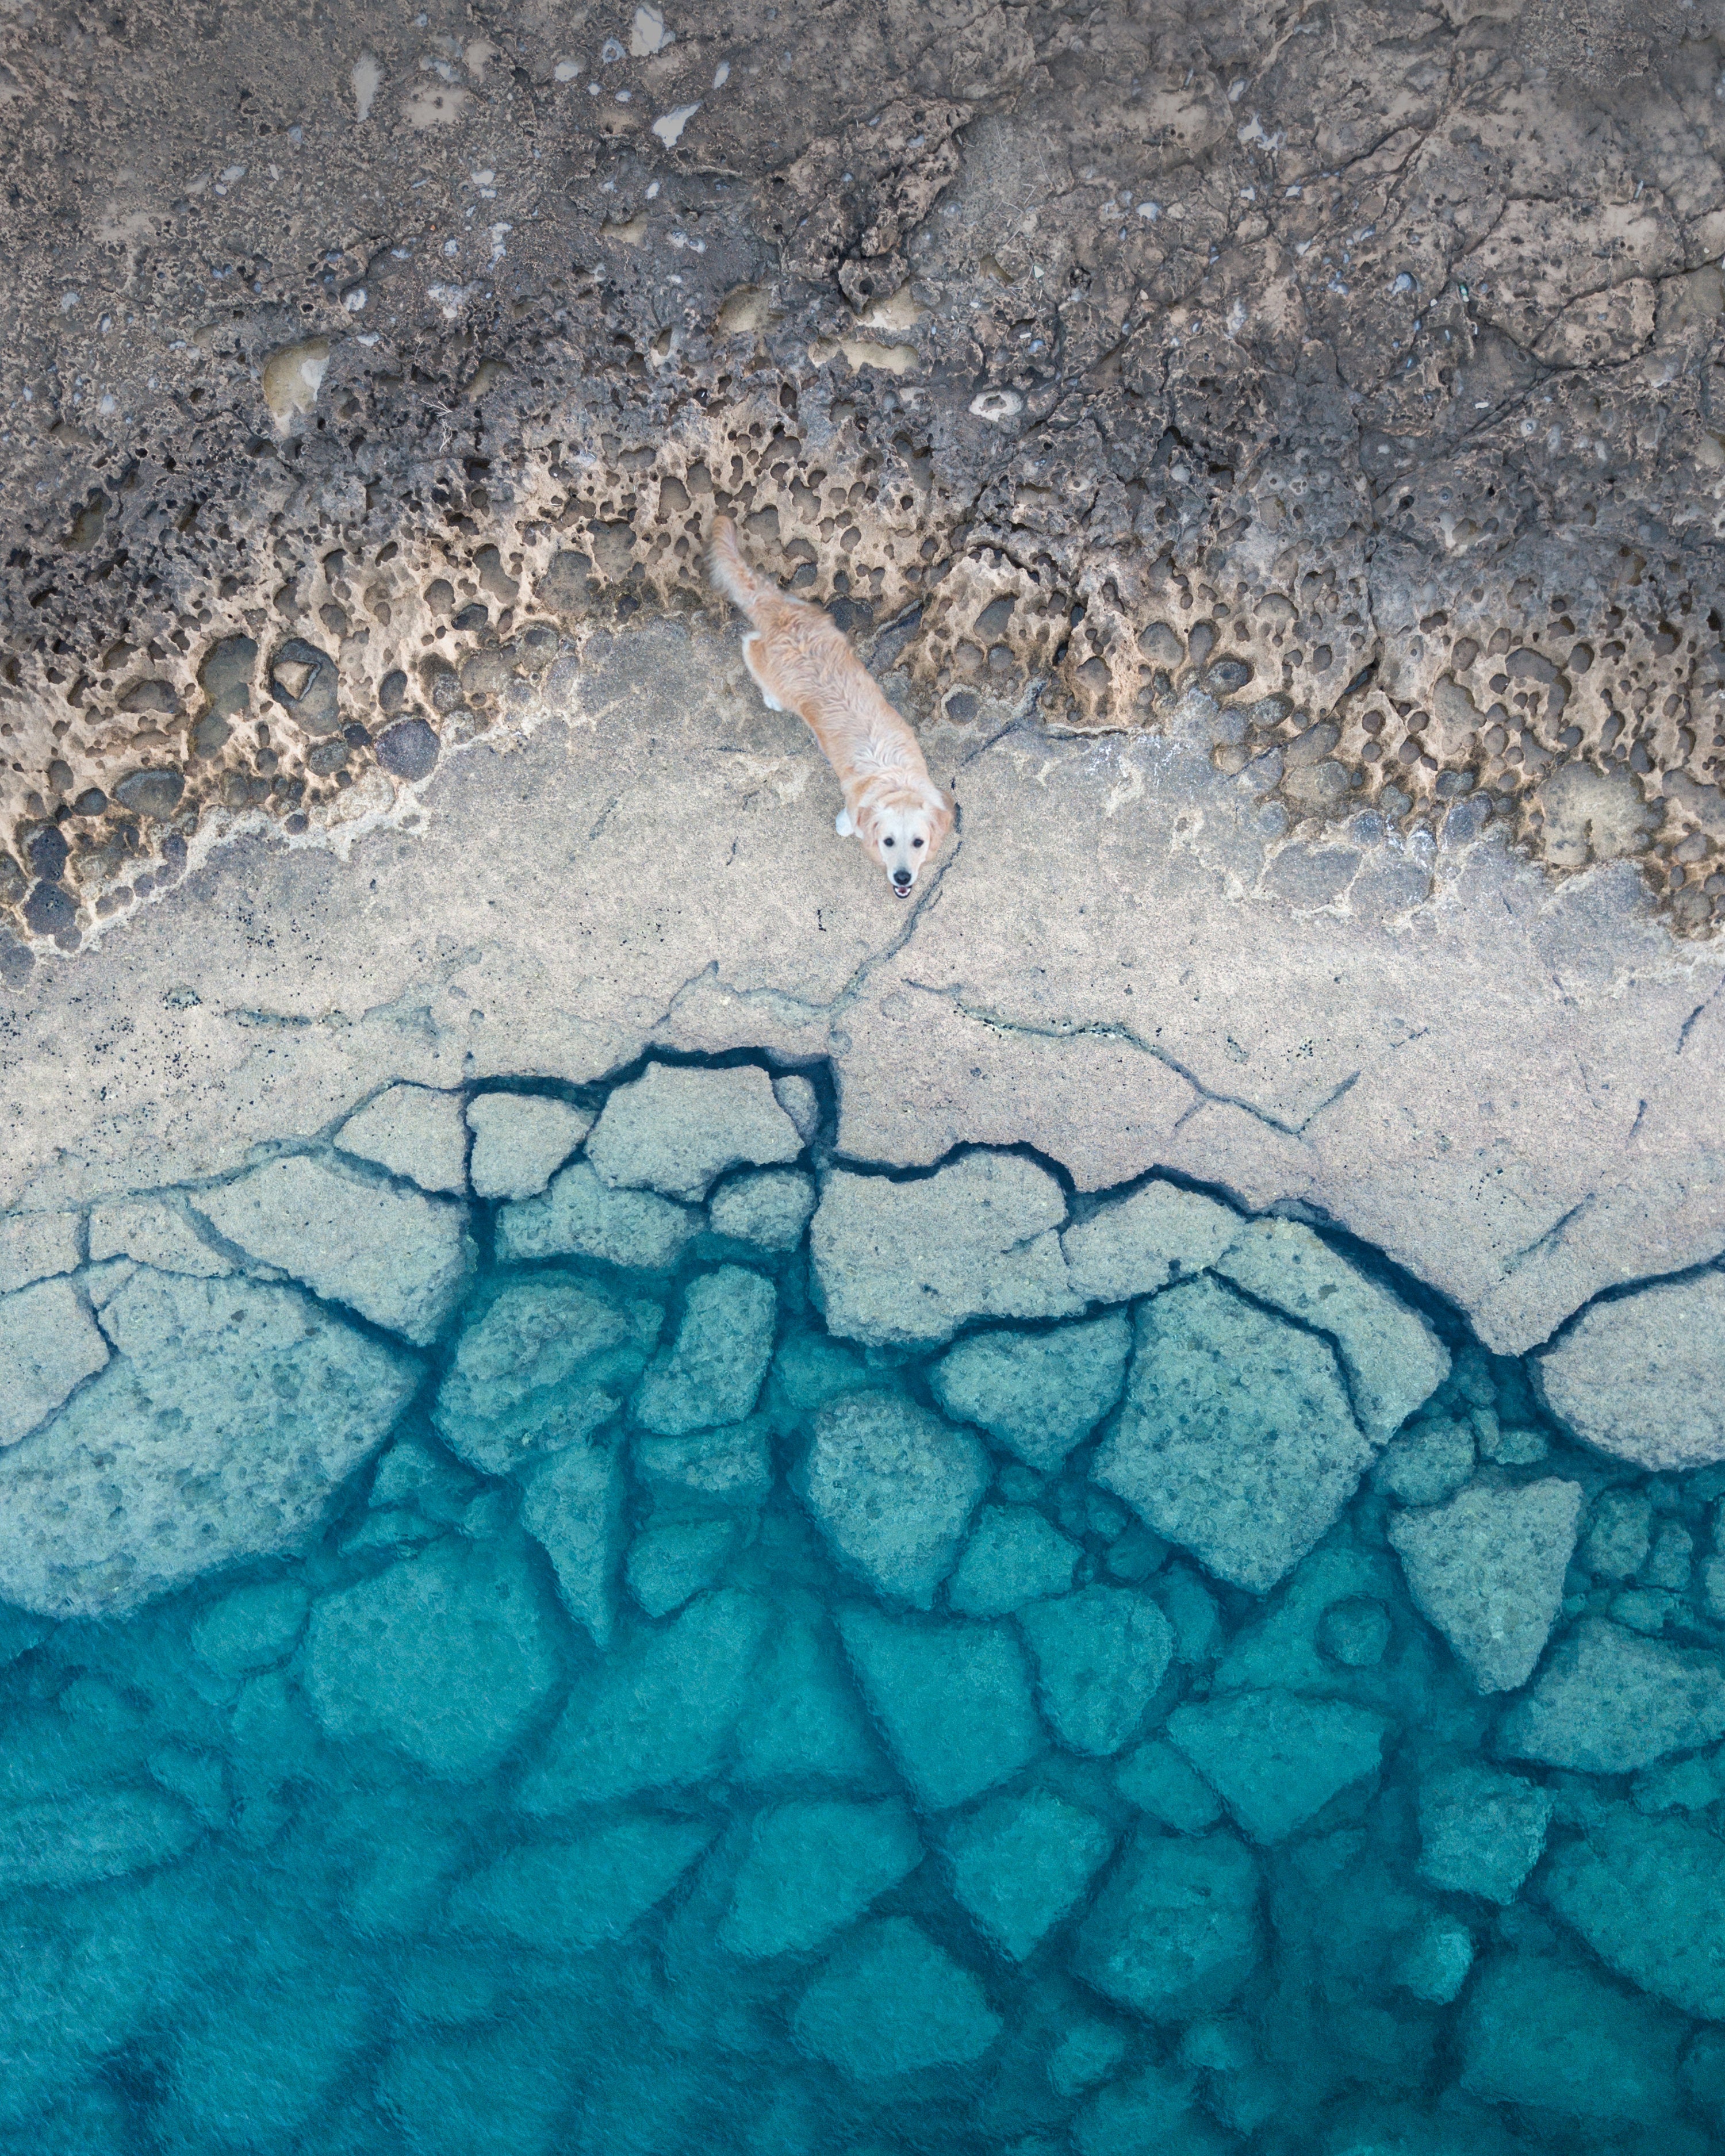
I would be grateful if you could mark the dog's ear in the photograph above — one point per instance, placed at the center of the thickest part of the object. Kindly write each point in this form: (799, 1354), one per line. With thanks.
(945, 810)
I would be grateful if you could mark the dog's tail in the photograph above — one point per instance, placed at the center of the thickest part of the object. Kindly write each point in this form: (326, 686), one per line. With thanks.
(729, 569)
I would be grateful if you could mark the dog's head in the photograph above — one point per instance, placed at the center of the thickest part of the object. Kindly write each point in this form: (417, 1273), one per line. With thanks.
(904, 831)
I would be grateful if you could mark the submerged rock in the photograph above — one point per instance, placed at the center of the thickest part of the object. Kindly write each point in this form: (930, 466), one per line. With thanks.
(1426, 1463)
(804, 1721)
(713, 1369)
(548, 1363)
(1039, 1393)
(1275, 1760)
(568, 1897)
(1648, 1896)
(1020, 1864)
(1236, 1439)
(80, 1838)
(520, 1140)
(1551, 2035)
(1138, 1245)
(890, 2002)
(1482, 1831)
(670, 1561)
(1638, 1376)
(221, 1429)
(891, 1488)
(1014, 1556)
(580, 1216)
(678, 1131)
(1175, 1930)
(906, 1264)
(447, 1656)
(1488, 1569)
(812, 1866)
(413, 1131)
(728, 1468)
(1163, 1782)
(770, 1208)
(1100, 1655)
(572, 1508)
(49, 1344)
(1393, 1358)
(953, 1700)
(1609, 1702)
(398, 1257)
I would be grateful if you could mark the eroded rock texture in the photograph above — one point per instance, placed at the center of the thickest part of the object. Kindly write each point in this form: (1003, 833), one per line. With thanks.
(1362, 369)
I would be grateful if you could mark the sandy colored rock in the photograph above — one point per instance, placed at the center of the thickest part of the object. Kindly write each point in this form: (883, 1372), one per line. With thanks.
(156, 1231)
(677, 1131)
(1039, 1393)
(520, 1140)
(580, 1216)
(49, 1343)
(400, 1260)
(412, 1131)
(1488, 1569)
(1639, 1376)
(36, 1246)
(906, 1264)
(1136, 1245)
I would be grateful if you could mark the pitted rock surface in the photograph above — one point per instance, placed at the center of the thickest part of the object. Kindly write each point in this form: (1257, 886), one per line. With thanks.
(1638, 1376)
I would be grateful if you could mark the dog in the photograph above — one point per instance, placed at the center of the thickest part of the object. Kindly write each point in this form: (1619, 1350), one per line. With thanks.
(801, 661)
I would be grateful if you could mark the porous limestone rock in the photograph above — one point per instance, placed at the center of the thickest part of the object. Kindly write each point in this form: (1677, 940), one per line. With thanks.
(580, 1216)
(1137, 1244)
(769, 1207)
(1014, 1556)
(1276, 1759)
(1481, 1831)
(1428, 1462)
(398, 1257)
(156, 1230)
(677, 1131)
(1638, 1376)
(222, 1428)
(1175, 1930)
(413, 1131)
(49, 1343)
(1488, 1569)
(1100, 1655)
(1609, 1702)
(572, 1508)
(1393, 1358)
(1236, 1439)
(520, 1140)
(892, 1488)
(906, 1264)
(549, 1361)
(722, 1469)
(712, 1370)
(1039, 1393)
(1019, 1865)
(1545, 2032)
(36, 1246)
(1648, 1896)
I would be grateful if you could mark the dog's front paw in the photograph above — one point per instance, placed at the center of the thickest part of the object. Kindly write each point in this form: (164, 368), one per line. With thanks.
(843, 825)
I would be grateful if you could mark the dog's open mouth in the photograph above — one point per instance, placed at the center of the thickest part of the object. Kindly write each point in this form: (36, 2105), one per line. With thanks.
(902, 890)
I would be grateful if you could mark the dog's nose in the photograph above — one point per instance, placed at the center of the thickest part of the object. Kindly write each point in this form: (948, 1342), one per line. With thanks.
(902, 877)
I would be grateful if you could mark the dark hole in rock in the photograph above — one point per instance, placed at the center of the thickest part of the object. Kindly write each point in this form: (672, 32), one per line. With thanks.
(47, 852)
(91, 802)
(303, 679)
(392, 692)
(962, 706)
(150, 793)
(408, 749)
(50, 909)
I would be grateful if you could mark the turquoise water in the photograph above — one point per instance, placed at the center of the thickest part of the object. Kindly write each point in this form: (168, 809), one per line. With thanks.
(667, 1727)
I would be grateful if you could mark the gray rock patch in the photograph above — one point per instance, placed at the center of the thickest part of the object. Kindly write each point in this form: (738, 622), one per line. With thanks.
(1608, 1703)
(156, 1231)
(769, 1208)
(1138, 1245)
(248, 1396)
(1639, 1377)
(36, 1246)
(49, 1344)
(678, 1131)
(413, 1131)
(520, 1140)
(580, 1216)
(398, 1257)
(713, 1370)
(1488, 1569)
(1236, 1439)
(1039, 1393)
(906, 1264)
(892, 1488)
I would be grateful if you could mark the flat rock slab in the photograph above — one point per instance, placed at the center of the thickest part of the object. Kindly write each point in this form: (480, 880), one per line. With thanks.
(1039, 1393)
(1639, 1377)
(1175, 1931)
(1393, 1358)
(413, 1131)
(891, 1488)
(1237, 1440)
(396, 1257)
(953, 1699)
(769, 1208)
(158, 1231)
(889, 2002)
(49, 1344)
(1014, 1556)
(1482, 1831)
(1100, 1655)
(906, 1264)
(84, 1837)
(1275, 1759)
(572, 1508)
(1549, 2033)
(1021, 1865)
(544, 1366)
(446, 1656)
(36, 1246)
(712, 1371)
(1488, 1569)
(1648, 1896)
(812, 1866)
(677, 1131)
(568, 1897)
(520, 1141)
(1138, 1245)
(580, 1216)
(1609, 1701)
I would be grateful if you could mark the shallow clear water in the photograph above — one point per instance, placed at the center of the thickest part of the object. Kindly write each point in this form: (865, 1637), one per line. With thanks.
(784, 1762)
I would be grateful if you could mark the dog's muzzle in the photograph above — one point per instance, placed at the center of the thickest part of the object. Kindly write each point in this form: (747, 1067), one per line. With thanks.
(901, 883)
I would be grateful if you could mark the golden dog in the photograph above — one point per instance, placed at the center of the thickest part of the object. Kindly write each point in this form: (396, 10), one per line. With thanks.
(802, 662)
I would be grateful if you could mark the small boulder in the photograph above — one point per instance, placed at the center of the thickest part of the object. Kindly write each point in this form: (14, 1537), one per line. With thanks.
(1638, 1376)
(1275, 1759)
(1014, 1556)
(891, 1488)
(1101, 1655)
(1020, 1864)
(1039, 1393)
(954, 1701)
(1648, 1896)
(1175, 1931)
(566, 1898)
(413, 1131)
(1137, 1245)
(890, 2002)
(677, 1131)
(1236, 1439)
(398, 1257)
(907, 1264)
(769, 1208)
(580, 1216)
(572, 1508)
(1480, 1831)
(520, 1141)
(1550, 2035)
(1426, 1463)
(812, 1866)
(713, 1369)
(1159, 1780)
(1488, 1569)
(1609, 1702)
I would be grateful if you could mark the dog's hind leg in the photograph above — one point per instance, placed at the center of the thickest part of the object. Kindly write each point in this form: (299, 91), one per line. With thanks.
(768, 698)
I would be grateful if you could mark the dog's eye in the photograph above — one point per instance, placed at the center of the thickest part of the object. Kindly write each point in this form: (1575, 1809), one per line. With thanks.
(916, 842)
(888, 842)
